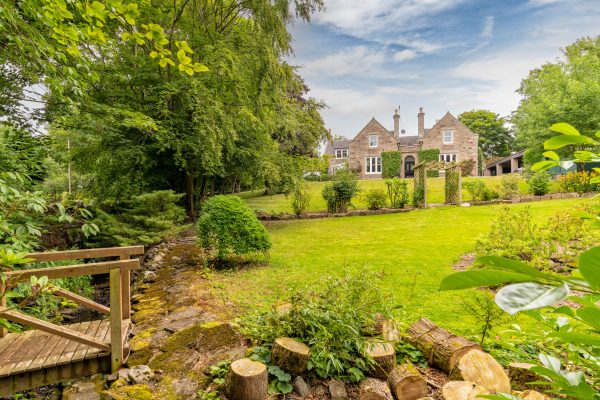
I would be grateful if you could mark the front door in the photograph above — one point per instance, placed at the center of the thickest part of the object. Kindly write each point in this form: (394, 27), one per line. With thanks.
(409, 166)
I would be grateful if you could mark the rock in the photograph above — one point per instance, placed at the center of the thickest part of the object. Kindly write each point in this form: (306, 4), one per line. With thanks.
(81, 391)
(140, 374)
(186, 388)
(123, 375)
(337, 390)
(301, 387)
(175, 259)
(149, 276)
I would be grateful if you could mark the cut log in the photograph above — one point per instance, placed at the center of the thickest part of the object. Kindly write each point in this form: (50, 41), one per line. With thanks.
(384, 356)
(290, 355)
(391, 333)
(407, 383)
(480, 367)
(441, 348)
(378, 325)
(374, 389)
(533, 395)
(247, 380)
(520, 375)
(462, 390)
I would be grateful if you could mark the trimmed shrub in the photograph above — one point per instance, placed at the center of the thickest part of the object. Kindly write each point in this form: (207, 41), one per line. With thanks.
(300, 200)
(539, 183)
(397, 190)
(509, 186)
(339, 193)
(229, 227)
(376, 199)
(391, 162)
(430, 155)
(479, 191)
(578, 182)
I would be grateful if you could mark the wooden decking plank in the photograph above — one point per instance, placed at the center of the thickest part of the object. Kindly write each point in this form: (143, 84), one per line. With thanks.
(58, 350)
(45, 353)
(8, 353)
(36, 344)
(105, 338)
(6, 341)
(103, 328)
(68, 352)
(82, 349)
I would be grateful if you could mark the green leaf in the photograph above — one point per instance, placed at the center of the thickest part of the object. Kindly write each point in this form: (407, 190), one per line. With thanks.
(543, 165)
(529, 296)
(590, 315)
(285, 387)
(551, 155)
(578, 338)
(565, 129)
(470, 279)
(589, 266)
(583, 155)
(558, 142)
(509, 265)
(595, 179)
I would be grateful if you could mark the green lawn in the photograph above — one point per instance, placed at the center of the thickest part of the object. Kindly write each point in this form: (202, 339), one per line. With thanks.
(415, 250)
(279, 203)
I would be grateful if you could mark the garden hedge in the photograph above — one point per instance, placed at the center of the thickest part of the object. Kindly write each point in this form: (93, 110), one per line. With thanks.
(430, 155)
(391, 162)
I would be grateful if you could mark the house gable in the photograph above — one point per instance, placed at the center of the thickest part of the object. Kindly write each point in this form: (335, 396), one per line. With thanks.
(360, 149)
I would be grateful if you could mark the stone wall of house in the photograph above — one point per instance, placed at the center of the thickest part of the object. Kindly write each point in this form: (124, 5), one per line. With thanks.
(408, 151)
(464, 145)
(359, 148)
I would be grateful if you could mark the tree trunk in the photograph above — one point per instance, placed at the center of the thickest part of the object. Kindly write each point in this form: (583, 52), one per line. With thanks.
(247, 380)
(190, 191)
(407, 383)
(384, 356)
(441, 348)
(462, 390)
(520, 374)
(479, 367)
(290, 355)
(374, 389)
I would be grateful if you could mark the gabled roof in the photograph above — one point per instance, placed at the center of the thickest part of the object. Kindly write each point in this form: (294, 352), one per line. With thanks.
(373, 120)
(492, 161)
(408, 140)
(447, 116)
(336, 144)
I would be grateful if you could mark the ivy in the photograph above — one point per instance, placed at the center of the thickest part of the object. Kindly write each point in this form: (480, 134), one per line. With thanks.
(391, 162)
(430, 155)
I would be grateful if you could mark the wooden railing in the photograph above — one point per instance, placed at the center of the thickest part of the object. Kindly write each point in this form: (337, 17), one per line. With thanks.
(120, 309)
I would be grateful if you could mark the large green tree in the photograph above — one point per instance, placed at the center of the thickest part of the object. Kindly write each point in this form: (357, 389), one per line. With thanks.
(495, 138)
(567, 90)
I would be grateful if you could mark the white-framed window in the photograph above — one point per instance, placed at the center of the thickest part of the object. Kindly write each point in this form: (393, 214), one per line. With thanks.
(447, 157)
(373, 140)
(448, 136)
(373, 165)
(341, 153)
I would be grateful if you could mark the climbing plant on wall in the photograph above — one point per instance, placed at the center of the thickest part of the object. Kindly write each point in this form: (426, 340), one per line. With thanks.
(420, 191)
(430, 155)
(390, 164)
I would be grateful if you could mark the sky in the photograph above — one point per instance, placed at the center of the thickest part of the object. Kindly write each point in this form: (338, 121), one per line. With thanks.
(365, 58)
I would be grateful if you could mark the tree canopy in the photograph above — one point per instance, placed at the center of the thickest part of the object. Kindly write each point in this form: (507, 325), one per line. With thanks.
(495, 138)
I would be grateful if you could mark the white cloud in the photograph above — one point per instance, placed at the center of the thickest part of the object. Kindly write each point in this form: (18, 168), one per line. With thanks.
(353, 60)
(488, 28)
(404, 55)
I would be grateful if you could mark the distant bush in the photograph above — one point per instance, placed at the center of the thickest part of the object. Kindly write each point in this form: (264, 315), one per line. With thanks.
(144, 219)
(300, 200)
(479, 191)
(339, 193)
(509, 186)
(376, 199)
(578, 182)
(539, 183)
(390, 164)
(229, 227)
(332, 320)
(397, 191)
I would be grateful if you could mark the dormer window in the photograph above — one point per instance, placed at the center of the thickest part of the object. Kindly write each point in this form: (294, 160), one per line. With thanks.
(341, 153)
(448, 136)
(373, 140)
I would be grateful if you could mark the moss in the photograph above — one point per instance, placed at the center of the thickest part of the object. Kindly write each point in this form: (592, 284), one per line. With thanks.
(208, 335)
(134, 392)
(142, 339)
(140, 357)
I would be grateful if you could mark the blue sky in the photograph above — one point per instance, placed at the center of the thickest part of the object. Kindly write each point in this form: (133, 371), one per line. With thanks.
(365, 58)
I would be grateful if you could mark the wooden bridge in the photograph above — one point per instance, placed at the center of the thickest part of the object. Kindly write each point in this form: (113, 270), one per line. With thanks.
(52, 353)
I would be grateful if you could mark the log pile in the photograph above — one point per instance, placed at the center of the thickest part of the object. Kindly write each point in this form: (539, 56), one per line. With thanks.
(407, 383)
(384, 355)
(290, 355)
(246, 380)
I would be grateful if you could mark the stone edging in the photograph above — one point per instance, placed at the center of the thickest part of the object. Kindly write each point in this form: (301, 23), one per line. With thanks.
(529, 199)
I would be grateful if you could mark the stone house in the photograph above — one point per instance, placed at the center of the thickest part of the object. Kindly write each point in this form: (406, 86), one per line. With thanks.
(362, 154)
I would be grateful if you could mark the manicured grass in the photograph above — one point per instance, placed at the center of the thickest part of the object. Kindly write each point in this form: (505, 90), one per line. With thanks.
(414, 250)
(279, 203)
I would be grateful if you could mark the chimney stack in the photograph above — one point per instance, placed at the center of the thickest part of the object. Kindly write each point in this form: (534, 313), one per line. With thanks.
(397, 123)
(421, 119)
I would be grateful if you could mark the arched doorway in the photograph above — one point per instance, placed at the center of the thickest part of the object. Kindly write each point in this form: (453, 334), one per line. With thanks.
(409, 167)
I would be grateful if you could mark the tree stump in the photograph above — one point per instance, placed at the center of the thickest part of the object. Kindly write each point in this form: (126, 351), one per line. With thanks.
(290, 355)
(247, 380)
(520, 374)
(391, 333)
(462, 390)
(441, 348)
(407, 383)
(379, 320)
(533, 395)
(374, 389)
(384, 356)
(480, 367)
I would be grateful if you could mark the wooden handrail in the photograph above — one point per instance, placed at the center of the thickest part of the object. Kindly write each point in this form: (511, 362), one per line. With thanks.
(82, 301)
(58, 330)
(65, 271)
(87, 253)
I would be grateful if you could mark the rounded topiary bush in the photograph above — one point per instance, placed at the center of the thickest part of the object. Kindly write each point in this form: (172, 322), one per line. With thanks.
(229, 227)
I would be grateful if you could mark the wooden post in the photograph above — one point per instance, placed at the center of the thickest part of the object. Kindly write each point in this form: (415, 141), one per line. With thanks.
(126, 289)
(3, 330)
(116, 320)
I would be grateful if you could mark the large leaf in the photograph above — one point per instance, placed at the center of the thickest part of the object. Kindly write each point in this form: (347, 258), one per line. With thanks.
(551, 155)
(590, 315)
(544, 165)
(529, 296)
(565, 129)
(487, 277)
(509, 265)
(558, 142)
(578, 338)
(589, 266)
